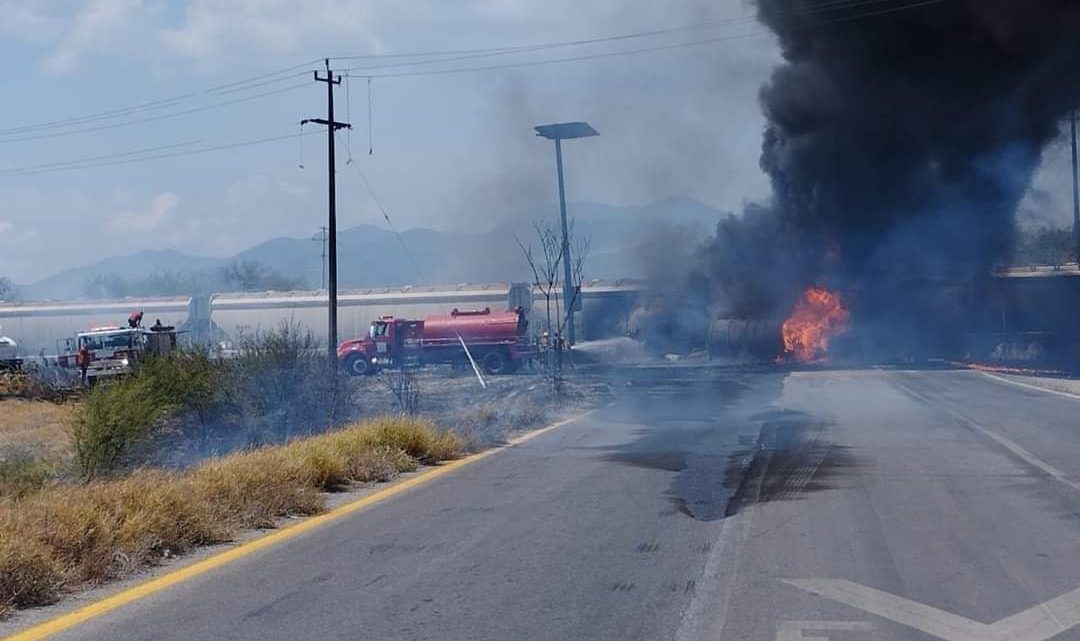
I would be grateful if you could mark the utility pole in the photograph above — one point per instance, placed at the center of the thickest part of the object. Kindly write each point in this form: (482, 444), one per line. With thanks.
(1076, 191)
(331, 126)
(322, 238)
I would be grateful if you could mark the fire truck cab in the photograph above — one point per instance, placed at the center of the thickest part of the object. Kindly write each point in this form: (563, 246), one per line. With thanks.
(9, 353)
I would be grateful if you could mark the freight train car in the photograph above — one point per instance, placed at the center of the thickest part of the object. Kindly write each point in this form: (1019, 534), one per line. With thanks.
(224, 318)
(605, 305)
(246, 314)
(43, 327)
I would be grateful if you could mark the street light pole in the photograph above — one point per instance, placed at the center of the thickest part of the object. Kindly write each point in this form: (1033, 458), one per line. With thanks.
(568, 278)
(1076, 191)
(558, 133)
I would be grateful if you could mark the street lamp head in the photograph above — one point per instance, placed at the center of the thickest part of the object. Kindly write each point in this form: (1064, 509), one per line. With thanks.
(566, 130)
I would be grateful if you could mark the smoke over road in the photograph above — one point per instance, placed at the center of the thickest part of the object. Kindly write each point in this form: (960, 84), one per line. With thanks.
(900, 137)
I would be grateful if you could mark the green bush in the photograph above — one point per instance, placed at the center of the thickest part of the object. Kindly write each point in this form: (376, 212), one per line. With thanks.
(118, 415)
(114, 418)
(22, 470)
(183, 406)
(186, 378)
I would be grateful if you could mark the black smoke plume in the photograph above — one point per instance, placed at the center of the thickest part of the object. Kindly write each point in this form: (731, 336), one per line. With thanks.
(900, 138)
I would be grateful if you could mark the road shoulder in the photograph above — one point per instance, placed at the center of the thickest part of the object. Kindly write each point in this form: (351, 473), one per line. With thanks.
(1060, 386)
(43, 622)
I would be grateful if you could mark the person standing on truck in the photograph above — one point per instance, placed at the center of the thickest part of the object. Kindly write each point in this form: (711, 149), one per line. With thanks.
(82, 360)
(135, 319)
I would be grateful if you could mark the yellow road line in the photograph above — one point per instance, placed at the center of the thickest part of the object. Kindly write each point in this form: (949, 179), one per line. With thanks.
(152, 586)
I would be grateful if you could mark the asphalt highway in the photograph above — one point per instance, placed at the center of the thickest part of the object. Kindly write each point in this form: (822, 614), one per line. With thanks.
(703, 504)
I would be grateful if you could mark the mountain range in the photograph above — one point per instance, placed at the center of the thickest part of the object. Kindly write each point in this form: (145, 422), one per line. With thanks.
(371, 256)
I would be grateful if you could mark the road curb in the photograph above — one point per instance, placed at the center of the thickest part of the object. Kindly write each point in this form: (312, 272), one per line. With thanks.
(1038, 388)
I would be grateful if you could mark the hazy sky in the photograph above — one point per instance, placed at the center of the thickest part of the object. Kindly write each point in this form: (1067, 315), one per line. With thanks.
(452, 151)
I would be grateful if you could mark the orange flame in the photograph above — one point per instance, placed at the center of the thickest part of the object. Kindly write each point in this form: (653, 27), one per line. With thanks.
(818, 317)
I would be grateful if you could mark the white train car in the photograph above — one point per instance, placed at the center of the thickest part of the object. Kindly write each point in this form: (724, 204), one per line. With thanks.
(247, 314)
(43, 326)
(604, 309)
(606, 306)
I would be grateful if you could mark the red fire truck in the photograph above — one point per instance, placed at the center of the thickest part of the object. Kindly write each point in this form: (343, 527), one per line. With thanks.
(497, 341)
(111, 351)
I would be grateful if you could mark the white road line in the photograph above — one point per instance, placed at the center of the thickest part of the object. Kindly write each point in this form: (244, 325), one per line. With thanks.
(1023, 454)
(932, 621)
(706, 614)
(1045, 620)
(1010, 445)
(711, 594)
(1002, 379)
(1039, 623)
(793, 630)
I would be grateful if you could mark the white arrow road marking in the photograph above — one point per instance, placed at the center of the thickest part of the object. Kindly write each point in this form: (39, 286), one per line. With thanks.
(1044, 621)
(794, 630)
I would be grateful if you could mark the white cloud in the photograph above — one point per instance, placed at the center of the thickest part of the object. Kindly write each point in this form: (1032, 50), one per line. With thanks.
(13, 236)
(98, 26)
(213, 27)
(291, 189)
(25, 19)
(146, 219)
(247, 191)
(15, 239)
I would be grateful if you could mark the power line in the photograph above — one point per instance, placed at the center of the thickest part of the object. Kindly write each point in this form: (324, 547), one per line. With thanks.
(550, 61)
(84, 163)
(390, 223)
(272, 77)
(136, 152)
(165, 116)
(121, 154)
(831, 5)
(92, 162)
(666, 47)
(230, 87)
(252, 82)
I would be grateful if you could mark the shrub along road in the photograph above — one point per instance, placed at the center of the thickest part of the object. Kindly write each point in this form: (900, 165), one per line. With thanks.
(69, 536)
(701, 505)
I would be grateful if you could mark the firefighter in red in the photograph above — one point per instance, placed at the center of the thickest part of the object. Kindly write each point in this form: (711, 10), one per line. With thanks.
(135, 319)
(82, 360)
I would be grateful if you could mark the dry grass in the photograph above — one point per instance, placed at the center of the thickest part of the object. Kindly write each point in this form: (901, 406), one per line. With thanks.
(36, 425)
(35, 444)
(67, 536)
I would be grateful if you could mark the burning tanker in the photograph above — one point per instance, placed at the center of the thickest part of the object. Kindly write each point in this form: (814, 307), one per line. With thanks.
(899, 142)
(817, 318)
(804, 337)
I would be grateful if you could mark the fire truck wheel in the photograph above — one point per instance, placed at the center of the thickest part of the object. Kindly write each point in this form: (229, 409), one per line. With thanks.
(357, 365)
(496, 362)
